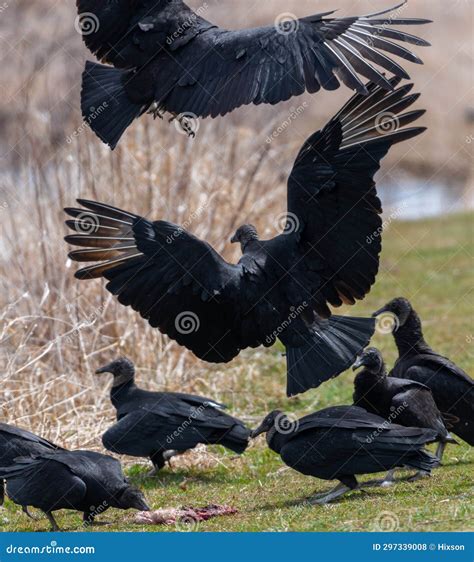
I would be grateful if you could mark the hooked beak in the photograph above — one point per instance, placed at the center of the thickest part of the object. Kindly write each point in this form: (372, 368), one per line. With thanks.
(256, 432)
(143, 506)
(359, 362)
(380, 311)
(234, 240)
(105, 369)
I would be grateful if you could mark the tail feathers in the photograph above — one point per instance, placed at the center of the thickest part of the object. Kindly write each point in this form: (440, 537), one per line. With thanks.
(333, 348)
(105, 104)
(422, 460)
(237, 439)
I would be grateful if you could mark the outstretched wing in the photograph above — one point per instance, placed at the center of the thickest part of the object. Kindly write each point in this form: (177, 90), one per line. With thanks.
(217, 70)
(177, 282)
(332, 194)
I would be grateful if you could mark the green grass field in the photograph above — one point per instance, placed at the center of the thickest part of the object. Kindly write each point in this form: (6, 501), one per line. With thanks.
(429, 262)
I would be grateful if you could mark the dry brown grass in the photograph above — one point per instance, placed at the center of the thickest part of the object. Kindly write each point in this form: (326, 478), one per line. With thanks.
(55, 331)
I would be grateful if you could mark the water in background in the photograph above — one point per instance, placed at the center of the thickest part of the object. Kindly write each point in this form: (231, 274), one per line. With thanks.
(417, 198)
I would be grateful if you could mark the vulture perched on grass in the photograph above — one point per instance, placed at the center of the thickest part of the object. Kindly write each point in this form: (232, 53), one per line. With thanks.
(341, 442)
(16, 442)
(404, 402)
(160, 425)
(78, 480)
(452, 388)
(161, 56)
(281, 288)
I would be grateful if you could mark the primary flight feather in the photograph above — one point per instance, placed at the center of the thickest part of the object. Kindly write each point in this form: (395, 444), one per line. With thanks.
(165, 57)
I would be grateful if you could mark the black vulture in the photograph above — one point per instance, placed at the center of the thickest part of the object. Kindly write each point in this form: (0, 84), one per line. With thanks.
(160, 425)
(400, 401)
(167, 58)
(78, 480)
(341, 442)
(16, 442)
(452, 388)
(281, 288)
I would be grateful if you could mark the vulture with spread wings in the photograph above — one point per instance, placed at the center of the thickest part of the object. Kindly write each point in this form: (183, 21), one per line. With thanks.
(281, 288)
(165, 57)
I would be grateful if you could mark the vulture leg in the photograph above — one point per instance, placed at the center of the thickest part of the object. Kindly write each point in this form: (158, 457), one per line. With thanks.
(157, 111)
(158, 461)
(440, 450)
(337, 492)
(54, 525)
(25, 510)
(418, 476)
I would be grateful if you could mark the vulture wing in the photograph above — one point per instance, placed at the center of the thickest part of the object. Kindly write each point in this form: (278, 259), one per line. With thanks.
(332, 194)
(177, 282)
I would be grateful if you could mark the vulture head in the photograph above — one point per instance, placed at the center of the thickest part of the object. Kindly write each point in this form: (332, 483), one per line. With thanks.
(244, 235)
(400, 308)
(122, 369)
(371, 359)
